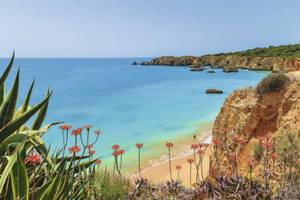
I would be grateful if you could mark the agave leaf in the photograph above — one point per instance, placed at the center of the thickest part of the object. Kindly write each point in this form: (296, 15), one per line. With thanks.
(38, 194)
(41, 114)
(10, 163)
(27, 99)
(15, 124)
(19, 178)
(53, 188)
(8, 106)
(16, 138)
(84, 165)
(7, 70)
(2, 93)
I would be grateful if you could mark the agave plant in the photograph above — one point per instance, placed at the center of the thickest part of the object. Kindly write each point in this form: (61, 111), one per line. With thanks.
(27, 170)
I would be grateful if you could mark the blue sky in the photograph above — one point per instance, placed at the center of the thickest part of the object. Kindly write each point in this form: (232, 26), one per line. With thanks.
(144, 28)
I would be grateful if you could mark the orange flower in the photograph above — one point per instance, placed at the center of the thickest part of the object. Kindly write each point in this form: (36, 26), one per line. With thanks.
(121, 151)
(266, 143)
(194, 146)
(169, 144)
(92, 152)
(205, 145)
(76, 131)
(115, 147)
(33, 159)
(274, 156)
(215, 141)
(178, 167)
(65, 127)
(190, 160)
(74, 149)
(115, 153)
(140, 145)
(98, 162)
(87, 127)
(201, 151)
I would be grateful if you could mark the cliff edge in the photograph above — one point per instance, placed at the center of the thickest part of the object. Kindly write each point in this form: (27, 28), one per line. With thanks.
(270, 110)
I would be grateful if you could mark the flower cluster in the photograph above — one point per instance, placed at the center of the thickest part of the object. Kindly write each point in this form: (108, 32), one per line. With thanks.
(33, 159)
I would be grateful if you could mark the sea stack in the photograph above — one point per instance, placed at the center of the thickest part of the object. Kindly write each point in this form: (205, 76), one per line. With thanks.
(214, 91)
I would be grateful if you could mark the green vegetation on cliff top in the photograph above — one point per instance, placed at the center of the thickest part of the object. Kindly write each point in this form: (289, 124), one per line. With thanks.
(283, 51)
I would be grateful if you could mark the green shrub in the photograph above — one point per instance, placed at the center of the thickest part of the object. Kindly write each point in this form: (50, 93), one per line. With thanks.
(111, 186)
(272, 83)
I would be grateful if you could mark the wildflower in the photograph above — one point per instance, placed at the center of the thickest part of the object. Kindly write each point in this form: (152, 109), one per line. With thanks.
(89, 147)
(201, 152)
(194, 146)
(178, 167)
(169, 144)
(97, 132)
(74, 149)
(115, 147)
(98, 162)
(121, 151)
(140, 145)
(92, 152)
(274, 156)
(190, 160)
(65, 127)
(115, 153)
(215, 141)
(87, 127)
(267, 144)
(76, 131)
(33, 159)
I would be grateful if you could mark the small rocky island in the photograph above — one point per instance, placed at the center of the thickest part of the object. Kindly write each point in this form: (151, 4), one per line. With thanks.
(214, 91)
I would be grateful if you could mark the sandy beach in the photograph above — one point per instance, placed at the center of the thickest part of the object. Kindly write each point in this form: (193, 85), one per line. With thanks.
(160, 172)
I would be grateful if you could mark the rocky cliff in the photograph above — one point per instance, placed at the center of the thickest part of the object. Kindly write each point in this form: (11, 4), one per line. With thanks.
(250, 115)
(230, 61)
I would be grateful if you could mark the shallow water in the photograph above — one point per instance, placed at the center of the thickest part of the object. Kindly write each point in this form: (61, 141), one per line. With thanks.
(130, 104)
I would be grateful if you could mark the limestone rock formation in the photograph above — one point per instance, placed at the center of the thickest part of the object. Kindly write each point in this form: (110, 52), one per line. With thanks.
(247, 114)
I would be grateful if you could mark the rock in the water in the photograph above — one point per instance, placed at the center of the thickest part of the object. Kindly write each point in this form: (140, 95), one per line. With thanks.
(214, 91)
(228, 70)
(197, 69)
(211, 71)
(134, 63)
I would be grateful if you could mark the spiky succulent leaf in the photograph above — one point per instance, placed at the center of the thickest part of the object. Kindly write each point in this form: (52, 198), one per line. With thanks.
(13, 139)
(5, 174)
(27, 99)
(41, 115)
(8, 106)
(7, 70)
(15, 124)
(19, 180)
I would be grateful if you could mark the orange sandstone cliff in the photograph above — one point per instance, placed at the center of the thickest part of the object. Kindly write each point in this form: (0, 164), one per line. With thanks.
(251, 115)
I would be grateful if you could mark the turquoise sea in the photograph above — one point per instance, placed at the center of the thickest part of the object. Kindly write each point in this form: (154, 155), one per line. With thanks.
(130, 104)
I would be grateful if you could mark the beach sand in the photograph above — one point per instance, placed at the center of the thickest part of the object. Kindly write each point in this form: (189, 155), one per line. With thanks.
(160, 172)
